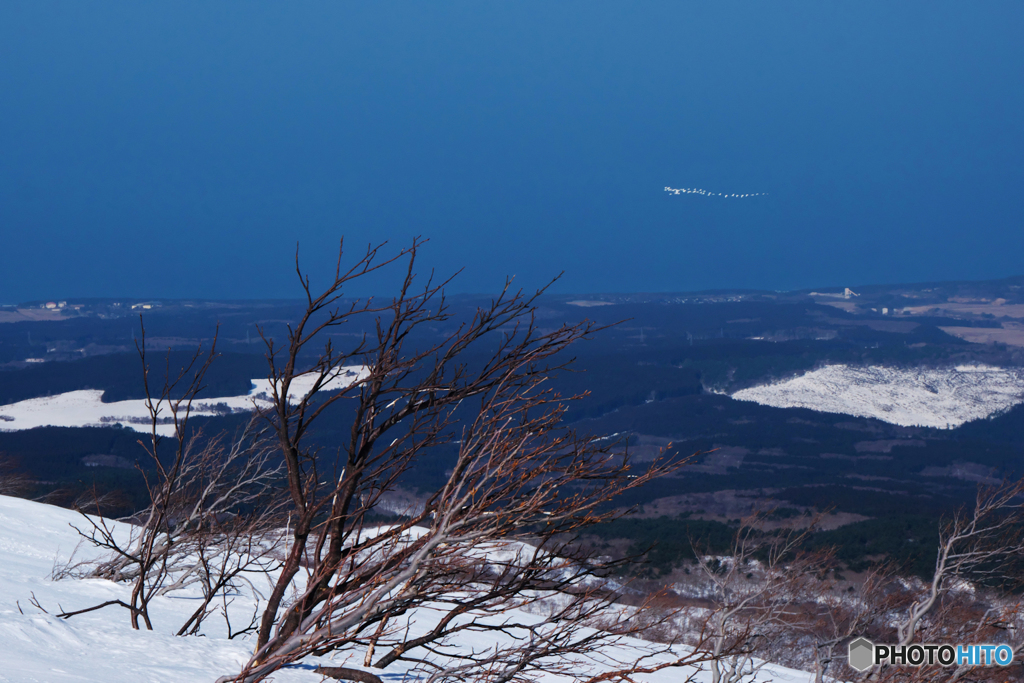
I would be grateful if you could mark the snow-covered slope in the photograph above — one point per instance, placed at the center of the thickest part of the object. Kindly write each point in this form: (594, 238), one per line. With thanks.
(85, 408)
(925, 397)
(101, 646)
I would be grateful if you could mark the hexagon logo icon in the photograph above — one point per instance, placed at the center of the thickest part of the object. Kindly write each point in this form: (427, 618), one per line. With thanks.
(861, 655)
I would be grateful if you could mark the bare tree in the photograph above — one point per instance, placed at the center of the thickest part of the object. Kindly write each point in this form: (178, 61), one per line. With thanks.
(519, 485)
(968, 598)
(211, 505)
(974, 545)
(838, 616)
(964, 601)
(759, 597)
(13, 482)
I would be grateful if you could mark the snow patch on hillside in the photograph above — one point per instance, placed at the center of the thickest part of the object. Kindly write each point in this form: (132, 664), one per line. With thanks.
(85, 408)
(925, 397)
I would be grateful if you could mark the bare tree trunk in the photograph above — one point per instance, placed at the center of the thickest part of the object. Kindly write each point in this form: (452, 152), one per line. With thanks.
(344, 674)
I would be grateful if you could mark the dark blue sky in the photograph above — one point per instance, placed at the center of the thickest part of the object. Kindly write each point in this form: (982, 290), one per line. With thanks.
(181, 149)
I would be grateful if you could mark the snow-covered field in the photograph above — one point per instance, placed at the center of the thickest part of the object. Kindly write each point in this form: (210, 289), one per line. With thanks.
(85, 408)
(924, 397)
(101, 646)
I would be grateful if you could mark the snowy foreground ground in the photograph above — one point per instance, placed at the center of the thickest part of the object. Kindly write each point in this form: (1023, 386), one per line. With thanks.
(914, 397)
(101, 646)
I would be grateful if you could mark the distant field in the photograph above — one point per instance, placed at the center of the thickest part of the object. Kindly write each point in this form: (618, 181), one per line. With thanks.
(987, 335)
(958, 309)
(25, 314)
